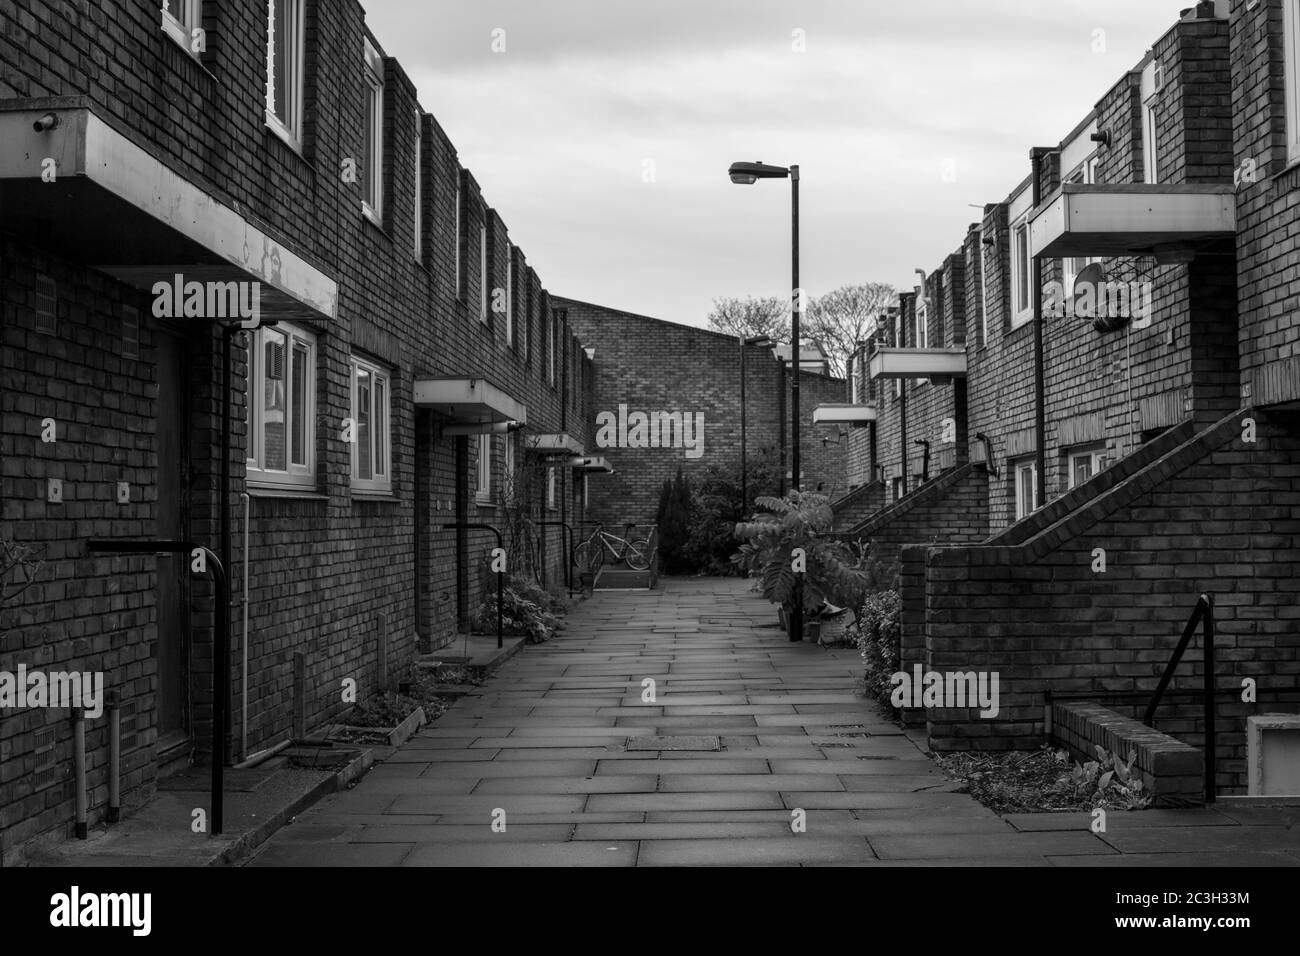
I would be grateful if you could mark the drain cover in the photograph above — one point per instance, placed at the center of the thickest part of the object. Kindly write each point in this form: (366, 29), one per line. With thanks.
(679, 742)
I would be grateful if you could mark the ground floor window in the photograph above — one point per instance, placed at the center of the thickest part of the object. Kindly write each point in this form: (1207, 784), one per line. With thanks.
(483, 484)
(371, 455)
(281, 407)
(1085, 462)
(550, 489)
(1026, 475)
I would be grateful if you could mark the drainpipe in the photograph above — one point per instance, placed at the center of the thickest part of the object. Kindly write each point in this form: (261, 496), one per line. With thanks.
(79, 758)
(114, 757)
(243, 704)
(1036, 156)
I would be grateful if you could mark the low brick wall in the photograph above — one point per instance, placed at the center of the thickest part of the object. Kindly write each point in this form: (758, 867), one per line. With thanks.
(1172, 771)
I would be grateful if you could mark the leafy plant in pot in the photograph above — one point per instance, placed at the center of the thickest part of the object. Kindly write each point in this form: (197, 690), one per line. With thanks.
(796, 562)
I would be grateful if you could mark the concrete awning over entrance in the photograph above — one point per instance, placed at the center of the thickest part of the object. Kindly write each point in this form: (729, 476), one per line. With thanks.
(1140, 219)
(918, 363)
(844, 414)
(591, 464)
(558, 443)
(469, 401)
(80, 187)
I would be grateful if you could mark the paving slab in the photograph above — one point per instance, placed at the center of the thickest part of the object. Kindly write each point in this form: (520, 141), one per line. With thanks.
(522, 854)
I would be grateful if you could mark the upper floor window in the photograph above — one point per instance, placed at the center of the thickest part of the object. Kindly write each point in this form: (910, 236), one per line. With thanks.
(1022, 265)
(180, 20)
(483, 277)
(1071, 267)
(921, 339)
(284, 69)
(455, 243)
(418, 224)
(371, 447)
(282, 407)
(1291, 49)
(372, 196)
(1152, 80)
(510, 294)
(550, 348)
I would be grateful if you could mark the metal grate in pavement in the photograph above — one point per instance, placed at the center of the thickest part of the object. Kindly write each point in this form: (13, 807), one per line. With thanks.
(674, 742)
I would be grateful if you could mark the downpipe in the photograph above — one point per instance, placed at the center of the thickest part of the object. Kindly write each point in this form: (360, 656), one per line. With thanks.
(79, 760)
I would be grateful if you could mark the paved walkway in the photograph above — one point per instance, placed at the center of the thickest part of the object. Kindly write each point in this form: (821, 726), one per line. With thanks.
(548, 743)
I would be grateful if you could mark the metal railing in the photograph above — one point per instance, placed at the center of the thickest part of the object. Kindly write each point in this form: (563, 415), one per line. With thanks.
(1202, 616)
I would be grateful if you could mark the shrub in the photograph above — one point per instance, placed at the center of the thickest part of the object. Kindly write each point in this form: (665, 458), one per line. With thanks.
(716, 507)
(527, 610)
(879, 635)
(674, 520)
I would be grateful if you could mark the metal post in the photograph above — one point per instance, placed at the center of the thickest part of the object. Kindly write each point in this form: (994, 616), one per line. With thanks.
(744, 463)
(796, 629)
(114, 757)
(1210, 738)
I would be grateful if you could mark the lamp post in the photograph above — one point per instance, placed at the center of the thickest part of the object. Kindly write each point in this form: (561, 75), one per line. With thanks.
(744, 455)
(746, 174)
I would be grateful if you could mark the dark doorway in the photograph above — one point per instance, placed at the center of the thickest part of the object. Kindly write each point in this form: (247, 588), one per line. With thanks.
(171, 646)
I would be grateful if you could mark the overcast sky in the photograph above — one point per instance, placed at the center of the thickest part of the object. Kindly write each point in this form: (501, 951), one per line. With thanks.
(603, 132)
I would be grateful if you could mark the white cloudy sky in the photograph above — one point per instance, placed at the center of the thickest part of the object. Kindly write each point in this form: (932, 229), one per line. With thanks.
(558, 129)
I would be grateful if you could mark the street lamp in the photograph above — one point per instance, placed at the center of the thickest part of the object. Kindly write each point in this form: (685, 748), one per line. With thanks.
(746, 174)
(744, 457)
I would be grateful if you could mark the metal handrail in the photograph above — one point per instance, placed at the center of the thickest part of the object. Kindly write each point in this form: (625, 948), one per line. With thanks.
(478, 526)
(1202, 616)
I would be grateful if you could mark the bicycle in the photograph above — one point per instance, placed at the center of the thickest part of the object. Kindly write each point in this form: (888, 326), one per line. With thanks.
(589, 555)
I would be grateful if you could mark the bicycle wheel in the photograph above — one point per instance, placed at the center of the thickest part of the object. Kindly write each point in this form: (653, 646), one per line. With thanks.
(638, 554)
(588, 557)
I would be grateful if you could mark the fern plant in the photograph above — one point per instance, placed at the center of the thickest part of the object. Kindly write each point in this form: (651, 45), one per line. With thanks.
(789, 549)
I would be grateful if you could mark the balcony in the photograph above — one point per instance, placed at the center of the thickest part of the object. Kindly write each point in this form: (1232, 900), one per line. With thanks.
(1129, 220)
(115, 207)
(844, 413)
(935, 364)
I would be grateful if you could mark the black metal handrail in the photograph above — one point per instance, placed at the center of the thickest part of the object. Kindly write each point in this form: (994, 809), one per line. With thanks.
(1202, 616)
(477, 526)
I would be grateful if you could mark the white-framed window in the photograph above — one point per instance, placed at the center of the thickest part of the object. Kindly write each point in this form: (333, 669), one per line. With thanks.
(282, 407)
(371, 426)
(550, 488)
(1150, 142)
(418, 222)
(1026, 475)
(483, 483)
(510, 294)
(921, 338)
(586, 488)
(1022, 267)
(1083, 463)
(483, 284)
(898, 344)
(550, 349)
(180, 18)
(1072, 266)
(1291, 57)
(456, 239)
(898, 488)
(284, 69)
(372, 198)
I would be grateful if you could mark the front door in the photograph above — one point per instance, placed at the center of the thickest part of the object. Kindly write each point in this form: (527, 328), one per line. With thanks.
(171, 647)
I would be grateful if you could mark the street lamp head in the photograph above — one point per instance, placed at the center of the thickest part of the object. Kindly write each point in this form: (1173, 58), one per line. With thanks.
(746, 174)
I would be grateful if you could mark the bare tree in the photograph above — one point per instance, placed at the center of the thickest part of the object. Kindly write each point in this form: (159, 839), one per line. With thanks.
(19, 566)
(750, 316)
(842, 320)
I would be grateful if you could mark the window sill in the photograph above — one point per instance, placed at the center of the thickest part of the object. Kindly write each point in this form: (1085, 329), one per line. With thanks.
(484, 503)
(274, 126)
(375, 497)
(277, 491)
(375, 219)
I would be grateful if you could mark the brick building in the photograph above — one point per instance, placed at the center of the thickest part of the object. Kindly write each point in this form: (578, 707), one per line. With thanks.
(416, 375)
(1106, 464)
(649, 365)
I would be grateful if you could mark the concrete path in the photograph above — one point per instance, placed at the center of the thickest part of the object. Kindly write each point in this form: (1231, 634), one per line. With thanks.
(551, 748)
